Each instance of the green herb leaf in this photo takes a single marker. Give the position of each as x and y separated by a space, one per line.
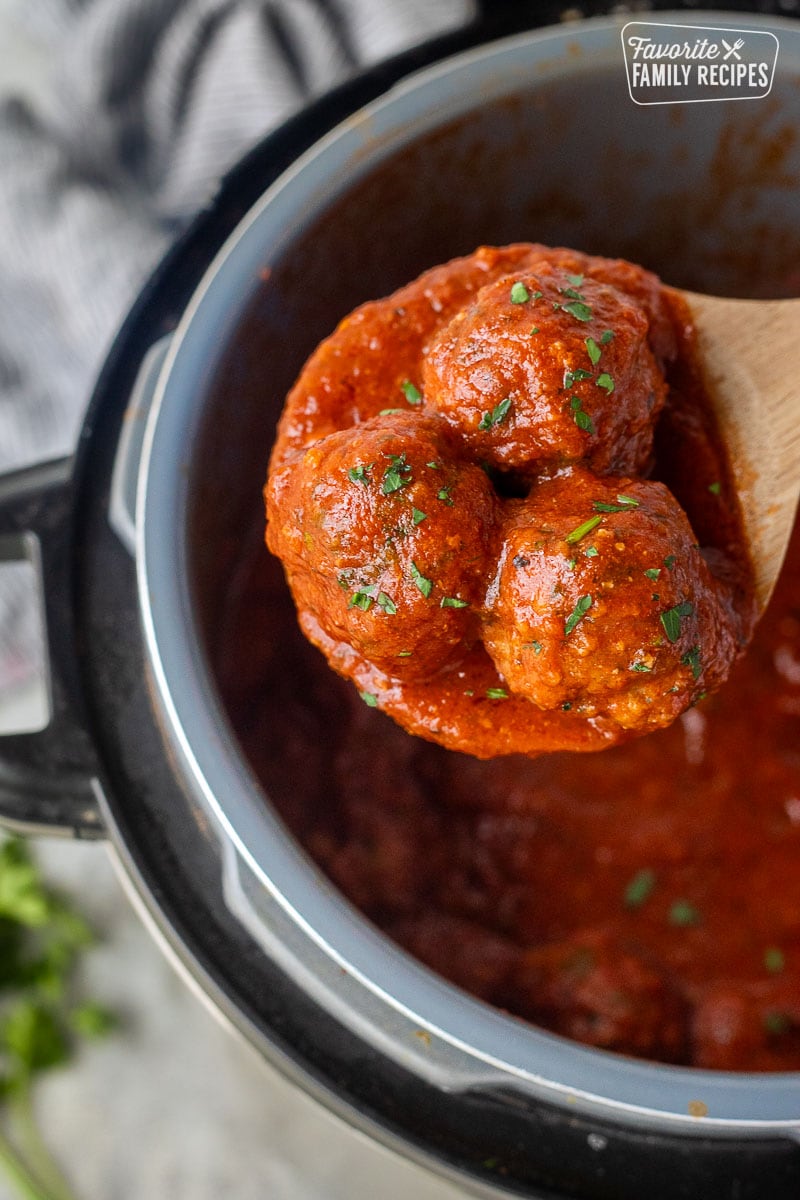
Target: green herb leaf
606 337
453 602
359 474
669 561
579 310
434 466
682 913
624 504
605 382
496 416
417 516
653 572
640 888
580 531
534 329
576 375
774 960
578 613
715 488
536 647
519 293
412 394
33 1036
777 1023
575 280
387 412
386 603
424 585
93 1020
581 418
398 474
361 600
671 619
641 667
692 659
591 552
444 494
593 350
496 694
369 698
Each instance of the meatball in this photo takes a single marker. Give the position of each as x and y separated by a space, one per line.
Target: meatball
603 604
384 537
548 367
600 992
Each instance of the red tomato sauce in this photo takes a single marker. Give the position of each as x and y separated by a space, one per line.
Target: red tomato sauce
645 899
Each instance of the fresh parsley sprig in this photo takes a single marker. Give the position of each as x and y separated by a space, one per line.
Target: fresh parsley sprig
41 939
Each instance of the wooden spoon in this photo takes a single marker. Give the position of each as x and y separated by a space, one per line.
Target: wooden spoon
750 354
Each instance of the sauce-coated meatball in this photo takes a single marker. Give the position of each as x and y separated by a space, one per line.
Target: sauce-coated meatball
548 367
384 537
603 604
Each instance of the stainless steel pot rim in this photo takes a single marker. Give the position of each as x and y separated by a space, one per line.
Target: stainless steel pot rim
470 1044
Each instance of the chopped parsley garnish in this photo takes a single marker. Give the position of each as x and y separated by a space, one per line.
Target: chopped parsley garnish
591 552
580 531
579 310
404 653
386 603
361 600
692 659
387 412
536 295
581 418
496 694
641 667
653 572
671 619
536 647
683 913
398 474
359 474
606 337
575 376
412 394
593 350
669 561
424 585
519 293
496 416
578 613
453 602
369 698
774 960
640 888
444 494
418 516
624 503
605 382
534 329
777 1022
715 488
434 466
575 280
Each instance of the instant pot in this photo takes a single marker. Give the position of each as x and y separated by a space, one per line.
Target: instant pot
501 132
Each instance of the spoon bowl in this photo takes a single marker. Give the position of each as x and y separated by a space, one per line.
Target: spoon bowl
749 351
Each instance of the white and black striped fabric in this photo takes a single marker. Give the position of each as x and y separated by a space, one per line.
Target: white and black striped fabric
116 118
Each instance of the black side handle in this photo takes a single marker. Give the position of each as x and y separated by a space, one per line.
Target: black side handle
48 778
